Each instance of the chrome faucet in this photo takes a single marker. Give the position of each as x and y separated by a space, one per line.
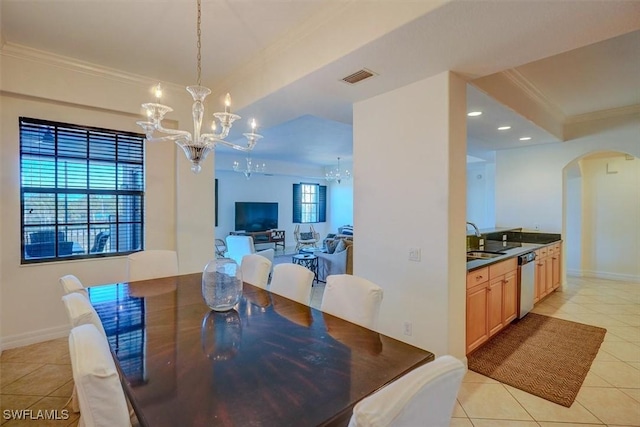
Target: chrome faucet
475 228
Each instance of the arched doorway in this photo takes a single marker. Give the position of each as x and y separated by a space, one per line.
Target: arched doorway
601 221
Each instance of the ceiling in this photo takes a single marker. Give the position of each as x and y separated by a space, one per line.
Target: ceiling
577 58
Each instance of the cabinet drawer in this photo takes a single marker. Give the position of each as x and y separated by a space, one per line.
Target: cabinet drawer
543 252
503 267
556 248
476 277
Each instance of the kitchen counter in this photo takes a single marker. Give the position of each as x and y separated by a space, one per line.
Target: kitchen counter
510 250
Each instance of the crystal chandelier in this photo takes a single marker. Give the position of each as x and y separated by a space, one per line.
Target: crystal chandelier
196 146
250 167
337 174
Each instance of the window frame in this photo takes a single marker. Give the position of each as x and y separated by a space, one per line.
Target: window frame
129 142
319 202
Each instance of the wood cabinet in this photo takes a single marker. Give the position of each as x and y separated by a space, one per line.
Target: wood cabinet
492 301
547 272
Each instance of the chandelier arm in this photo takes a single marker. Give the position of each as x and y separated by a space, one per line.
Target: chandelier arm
174 132
172 138
234 146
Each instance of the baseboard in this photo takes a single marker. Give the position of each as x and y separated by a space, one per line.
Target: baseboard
604 275
34 337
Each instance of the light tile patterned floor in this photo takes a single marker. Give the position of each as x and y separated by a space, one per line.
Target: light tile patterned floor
610 395
39 376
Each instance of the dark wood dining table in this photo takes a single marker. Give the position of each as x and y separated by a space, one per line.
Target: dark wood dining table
268 362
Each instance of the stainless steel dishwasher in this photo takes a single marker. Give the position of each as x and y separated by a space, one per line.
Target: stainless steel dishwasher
526 284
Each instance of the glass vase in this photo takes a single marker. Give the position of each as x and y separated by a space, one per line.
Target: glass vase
221 284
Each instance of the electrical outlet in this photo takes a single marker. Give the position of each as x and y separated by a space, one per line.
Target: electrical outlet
408 328
414 254
536 227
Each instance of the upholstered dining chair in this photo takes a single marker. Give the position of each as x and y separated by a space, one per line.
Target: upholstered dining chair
100 394
292 281
71 283
255 270
423 397
352 298
151 264
81 312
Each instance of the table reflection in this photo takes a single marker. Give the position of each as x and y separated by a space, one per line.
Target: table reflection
221 334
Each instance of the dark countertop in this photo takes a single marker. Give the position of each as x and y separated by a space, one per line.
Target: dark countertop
483 231
510 250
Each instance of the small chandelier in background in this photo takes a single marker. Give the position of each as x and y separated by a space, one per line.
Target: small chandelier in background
250 167
196 146
337 174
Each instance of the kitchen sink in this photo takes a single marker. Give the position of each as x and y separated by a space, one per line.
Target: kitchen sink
471 255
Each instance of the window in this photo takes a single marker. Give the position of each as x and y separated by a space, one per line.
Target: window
309 203
81 191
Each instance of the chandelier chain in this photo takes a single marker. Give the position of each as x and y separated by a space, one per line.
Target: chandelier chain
199 43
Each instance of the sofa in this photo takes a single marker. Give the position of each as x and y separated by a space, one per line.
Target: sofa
338 262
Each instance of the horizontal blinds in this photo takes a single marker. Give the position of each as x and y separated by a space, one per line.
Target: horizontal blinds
82 185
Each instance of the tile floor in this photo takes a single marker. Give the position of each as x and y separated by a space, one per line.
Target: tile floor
610 395
39 376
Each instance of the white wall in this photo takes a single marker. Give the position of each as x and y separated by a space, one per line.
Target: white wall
52 88
611 217
529 181
414 197
573 229
481 186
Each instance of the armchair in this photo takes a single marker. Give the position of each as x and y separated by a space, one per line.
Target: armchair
239 246
335 263
310 238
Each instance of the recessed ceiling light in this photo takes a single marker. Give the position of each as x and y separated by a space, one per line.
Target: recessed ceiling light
525 138
504 127
474 113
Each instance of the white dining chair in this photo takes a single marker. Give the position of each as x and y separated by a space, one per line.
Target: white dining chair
71 283
100 394
292 281
423 397
255 270
352 298
81 312
151 264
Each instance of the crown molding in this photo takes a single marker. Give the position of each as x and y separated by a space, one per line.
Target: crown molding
533 93
25 53
604 114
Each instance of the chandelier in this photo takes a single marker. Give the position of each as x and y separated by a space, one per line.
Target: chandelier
198 145
250 167
337 174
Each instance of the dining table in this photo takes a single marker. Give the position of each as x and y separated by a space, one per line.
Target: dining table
269 361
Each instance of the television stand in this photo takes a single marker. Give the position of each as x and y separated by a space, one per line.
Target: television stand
277 237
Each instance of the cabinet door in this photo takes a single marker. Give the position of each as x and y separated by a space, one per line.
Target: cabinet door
509 298
495 305
539 279
477 326
548 283
555 267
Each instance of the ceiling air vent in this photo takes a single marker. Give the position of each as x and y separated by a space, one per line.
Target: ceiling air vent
358 76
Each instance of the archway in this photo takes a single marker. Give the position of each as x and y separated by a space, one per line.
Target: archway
601 215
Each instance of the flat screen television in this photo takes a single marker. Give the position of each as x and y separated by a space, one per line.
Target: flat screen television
256 216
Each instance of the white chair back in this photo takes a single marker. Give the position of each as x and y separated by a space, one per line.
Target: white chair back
292 281
100 394
255 270
152 264
352 298
81 312
71 283
423 397
239 246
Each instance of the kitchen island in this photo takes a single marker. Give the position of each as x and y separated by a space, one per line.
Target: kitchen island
494 284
